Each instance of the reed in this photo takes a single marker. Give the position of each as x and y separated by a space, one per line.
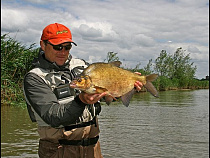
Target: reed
15 63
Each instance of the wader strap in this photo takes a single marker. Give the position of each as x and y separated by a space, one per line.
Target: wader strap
83 142
84 124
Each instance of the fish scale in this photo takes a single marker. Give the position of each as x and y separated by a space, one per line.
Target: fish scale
116 81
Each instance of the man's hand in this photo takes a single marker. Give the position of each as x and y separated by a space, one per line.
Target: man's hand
90 98
138 85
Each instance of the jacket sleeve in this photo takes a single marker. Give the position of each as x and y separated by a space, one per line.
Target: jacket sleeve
46 105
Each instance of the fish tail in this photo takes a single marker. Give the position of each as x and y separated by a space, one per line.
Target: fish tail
149 86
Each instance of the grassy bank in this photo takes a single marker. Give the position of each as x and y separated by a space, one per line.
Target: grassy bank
163 83
16 62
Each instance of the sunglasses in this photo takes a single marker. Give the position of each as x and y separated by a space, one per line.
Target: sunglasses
60 46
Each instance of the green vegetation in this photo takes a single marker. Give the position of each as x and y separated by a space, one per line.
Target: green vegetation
111 56
15 62
175 71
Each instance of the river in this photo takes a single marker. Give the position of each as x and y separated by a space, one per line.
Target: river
175 125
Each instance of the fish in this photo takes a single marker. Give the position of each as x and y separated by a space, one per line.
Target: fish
115 81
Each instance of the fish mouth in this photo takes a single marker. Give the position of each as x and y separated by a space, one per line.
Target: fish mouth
73 85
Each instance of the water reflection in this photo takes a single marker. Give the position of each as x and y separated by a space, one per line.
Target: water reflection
174 125
166 98
18 134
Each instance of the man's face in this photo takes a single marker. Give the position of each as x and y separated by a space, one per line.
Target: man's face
57 56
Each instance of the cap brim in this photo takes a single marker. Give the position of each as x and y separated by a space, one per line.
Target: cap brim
61 40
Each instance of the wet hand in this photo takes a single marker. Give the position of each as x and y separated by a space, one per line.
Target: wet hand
90 98
138 85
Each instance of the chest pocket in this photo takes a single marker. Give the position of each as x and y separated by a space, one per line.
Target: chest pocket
63 90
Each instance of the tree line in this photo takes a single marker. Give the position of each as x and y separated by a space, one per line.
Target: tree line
176 71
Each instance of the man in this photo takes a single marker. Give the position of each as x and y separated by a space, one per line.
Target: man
67 119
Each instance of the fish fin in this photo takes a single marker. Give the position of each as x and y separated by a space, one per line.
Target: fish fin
149 86
116 63
127 97
108 99
151 77
99 89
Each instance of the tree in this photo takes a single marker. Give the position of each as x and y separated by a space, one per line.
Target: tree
177 65
182 65
163 64
148 68
111 56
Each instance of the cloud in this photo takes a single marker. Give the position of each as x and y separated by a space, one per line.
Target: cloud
143 40
13 20
136 30
41 1
99 31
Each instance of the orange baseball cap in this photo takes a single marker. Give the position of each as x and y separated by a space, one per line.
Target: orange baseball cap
57 34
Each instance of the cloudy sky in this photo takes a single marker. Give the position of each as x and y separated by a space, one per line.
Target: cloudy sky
135 29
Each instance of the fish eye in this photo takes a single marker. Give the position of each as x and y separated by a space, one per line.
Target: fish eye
79 80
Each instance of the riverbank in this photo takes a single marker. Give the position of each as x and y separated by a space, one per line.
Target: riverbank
22 102
16 62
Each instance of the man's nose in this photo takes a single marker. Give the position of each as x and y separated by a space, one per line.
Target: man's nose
63 51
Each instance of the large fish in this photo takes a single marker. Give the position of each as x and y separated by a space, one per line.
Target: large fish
110 78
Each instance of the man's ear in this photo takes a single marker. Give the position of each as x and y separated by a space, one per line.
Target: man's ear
43 45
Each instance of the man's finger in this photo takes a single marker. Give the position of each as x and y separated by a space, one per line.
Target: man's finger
97 96
139 73
138 85
101 95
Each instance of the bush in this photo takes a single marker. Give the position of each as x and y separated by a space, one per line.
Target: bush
15 63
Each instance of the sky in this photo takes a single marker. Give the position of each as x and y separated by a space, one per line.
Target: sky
137 30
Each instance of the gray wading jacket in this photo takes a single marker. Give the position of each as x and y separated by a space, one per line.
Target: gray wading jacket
42 101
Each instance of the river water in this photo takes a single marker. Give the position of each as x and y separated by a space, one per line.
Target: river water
175 125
